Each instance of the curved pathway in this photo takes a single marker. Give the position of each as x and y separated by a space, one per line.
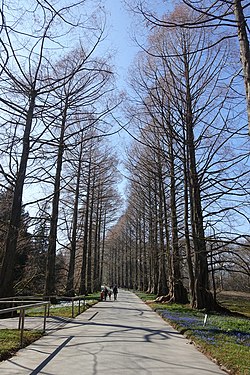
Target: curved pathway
123 337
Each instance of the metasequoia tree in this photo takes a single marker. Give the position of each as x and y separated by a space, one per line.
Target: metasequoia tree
167 144
58 93
96 197
225 19
24 243
185 87
76 158
160 136
35 267
86 82
220 14
162 166
108 201
23 87
147 218
179 87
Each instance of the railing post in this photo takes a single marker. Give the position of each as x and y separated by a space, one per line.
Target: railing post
19 320
72 313
48 311
22 310
12 305
22 313
45 316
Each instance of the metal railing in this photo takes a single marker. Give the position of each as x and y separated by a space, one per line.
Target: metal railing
34 299
22 309
73 299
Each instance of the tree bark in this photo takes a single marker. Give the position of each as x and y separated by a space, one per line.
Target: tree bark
8 264
83 288
244 51
90 241
202 296
50 287
179 293
186 226
70 290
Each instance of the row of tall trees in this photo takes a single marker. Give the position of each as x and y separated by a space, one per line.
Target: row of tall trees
56 105
189 190
223 19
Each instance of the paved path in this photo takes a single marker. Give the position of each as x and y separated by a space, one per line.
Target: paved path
123 337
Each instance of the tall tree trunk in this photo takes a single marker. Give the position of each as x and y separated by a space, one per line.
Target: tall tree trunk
169 268
96 260
8 263
70 290
140 280
136 283
145 258
131 269
244 50
127 284
186 226
123 263
103 247
202 296
162 282
83 288
90 242
179 293
155 242
50 287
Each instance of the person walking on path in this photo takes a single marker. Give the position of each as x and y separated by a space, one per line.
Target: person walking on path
115 292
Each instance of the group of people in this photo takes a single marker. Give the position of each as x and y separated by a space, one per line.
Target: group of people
107 292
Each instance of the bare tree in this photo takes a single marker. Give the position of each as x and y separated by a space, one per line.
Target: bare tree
87 80
179 70
26 85
225 19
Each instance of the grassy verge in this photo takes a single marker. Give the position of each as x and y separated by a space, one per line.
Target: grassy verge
224 338
10 341
235 301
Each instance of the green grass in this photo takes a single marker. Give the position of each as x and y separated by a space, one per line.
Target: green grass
64 312
10 341
224 338
94 296
146 296
235 301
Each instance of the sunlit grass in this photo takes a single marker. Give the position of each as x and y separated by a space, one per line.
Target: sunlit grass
146 296
238 302
10 341
93 296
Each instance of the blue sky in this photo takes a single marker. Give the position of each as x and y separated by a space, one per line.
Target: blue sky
124 49
119 38
120 28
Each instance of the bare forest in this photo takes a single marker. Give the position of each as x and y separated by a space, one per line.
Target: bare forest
180 228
